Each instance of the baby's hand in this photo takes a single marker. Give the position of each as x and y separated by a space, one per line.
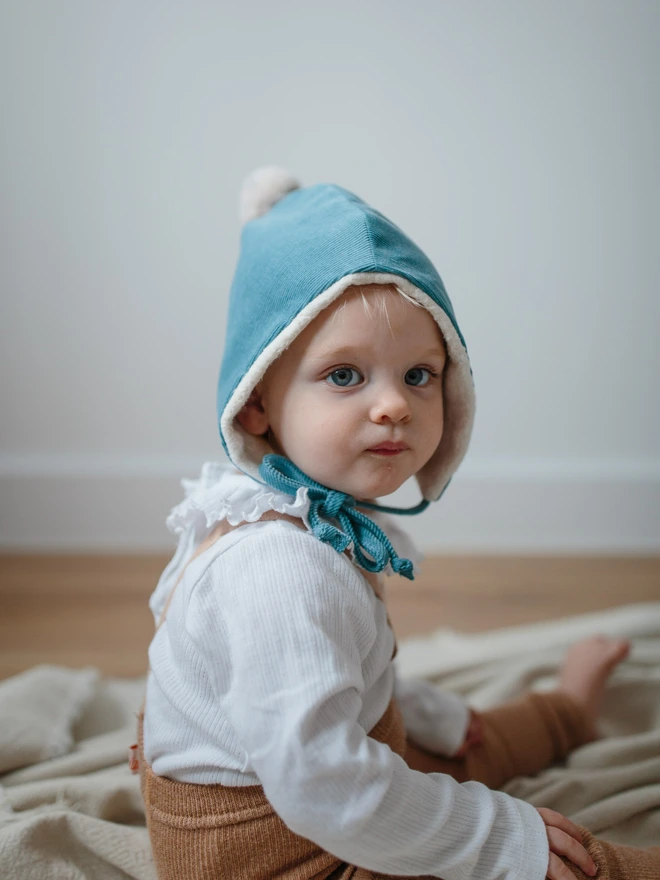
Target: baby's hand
473 737
564 838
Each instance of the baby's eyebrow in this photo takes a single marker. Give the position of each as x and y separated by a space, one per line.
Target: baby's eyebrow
434 352
348 350
324 354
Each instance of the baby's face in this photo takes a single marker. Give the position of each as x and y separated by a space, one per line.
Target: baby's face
352 381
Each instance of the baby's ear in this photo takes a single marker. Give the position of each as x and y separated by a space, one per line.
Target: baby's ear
252 417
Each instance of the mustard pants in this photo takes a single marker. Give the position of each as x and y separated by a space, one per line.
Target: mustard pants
208 832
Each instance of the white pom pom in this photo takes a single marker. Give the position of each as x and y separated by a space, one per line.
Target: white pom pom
262 189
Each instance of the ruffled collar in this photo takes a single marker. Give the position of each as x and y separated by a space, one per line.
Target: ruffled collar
223 492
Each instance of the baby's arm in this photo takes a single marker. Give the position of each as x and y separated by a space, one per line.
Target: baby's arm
437 720
298 623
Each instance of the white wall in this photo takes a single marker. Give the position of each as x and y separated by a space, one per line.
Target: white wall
516 142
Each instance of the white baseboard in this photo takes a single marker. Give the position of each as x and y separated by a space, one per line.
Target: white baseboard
89 504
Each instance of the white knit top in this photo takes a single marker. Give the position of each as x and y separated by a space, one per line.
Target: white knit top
272 665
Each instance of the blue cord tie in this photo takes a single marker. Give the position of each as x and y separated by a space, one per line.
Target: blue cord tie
283 475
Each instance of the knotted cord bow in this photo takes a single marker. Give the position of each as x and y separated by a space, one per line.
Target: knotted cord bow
283 475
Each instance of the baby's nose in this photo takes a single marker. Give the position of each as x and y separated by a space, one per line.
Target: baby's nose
390 405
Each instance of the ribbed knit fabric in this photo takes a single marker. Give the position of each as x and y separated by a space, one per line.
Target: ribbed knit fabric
272 610
615 861
207 832
215 830
524 737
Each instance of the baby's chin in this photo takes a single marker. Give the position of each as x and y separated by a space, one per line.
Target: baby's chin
364 481
367 490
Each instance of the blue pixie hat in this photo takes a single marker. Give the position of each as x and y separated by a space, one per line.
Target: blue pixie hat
300 249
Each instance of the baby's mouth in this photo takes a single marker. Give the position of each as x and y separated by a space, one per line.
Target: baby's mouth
388 449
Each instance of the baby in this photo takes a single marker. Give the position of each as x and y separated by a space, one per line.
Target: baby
276 738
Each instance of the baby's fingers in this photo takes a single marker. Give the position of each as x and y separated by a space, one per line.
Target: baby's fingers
557 870
565 845
558 820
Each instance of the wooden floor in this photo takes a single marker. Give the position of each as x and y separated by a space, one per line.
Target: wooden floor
92 610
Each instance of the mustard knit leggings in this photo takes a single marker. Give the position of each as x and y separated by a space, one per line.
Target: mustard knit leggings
212 832
522 738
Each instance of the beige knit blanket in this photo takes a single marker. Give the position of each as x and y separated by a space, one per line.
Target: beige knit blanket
70 809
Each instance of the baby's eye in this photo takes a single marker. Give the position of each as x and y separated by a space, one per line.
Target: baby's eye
418 376
344 377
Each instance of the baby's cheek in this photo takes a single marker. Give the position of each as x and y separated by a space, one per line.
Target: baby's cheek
333 460
327 427
432 433
315 441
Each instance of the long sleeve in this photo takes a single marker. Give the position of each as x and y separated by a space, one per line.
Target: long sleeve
435 719
298 625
